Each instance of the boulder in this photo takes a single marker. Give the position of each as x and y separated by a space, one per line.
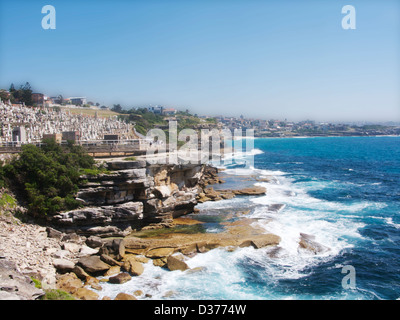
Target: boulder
260 241
120 278
71 247
277 207
85 294
174 263
80 273
161 262
112 262
114 270
251 191
115 248
69 283
94 283
133 267
53 233
87 251
308 243
93 264
159 252
94 242
124 296
63 265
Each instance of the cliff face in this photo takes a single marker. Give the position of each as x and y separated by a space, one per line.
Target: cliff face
133 195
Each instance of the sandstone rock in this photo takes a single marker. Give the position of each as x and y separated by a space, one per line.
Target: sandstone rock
141 259
133 267
80 273
124 296
61 254
174 263
87 251
53 233
159 252
72 237
120 278
251 191
161 262
85 294
134 194
114 270
94 242
94 283
112 262
69 283
138 293
93 264
162 191
71 247
63 265
307 242
260 241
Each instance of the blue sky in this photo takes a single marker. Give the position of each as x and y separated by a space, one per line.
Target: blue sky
269 59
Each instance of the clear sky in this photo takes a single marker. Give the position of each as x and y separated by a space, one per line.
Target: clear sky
269 59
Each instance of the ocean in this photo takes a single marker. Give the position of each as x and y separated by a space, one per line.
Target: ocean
344 192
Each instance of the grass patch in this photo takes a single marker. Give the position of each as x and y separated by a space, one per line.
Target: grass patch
93 171
7 201
130 159
52 294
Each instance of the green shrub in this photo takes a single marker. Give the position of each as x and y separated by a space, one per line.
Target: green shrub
54 294
47 177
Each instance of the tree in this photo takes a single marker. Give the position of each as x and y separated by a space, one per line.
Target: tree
23 94
27 94
117 108
4 95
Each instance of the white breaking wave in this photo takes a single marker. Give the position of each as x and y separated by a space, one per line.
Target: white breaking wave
389 221
223 274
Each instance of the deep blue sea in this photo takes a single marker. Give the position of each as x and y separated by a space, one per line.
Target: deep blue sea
342 191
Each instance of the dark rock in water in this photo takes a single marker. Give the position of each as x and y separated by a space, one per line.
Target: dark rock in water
251 191
124 296
174 263
276 207
307 242
120 278
274 252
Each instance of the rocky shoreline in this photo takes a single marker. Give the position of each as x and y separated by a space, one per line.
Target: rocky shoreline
77 262
70 261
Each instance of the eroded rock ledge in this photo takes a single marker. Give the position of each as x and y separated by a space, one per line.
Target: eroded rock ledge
131 196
